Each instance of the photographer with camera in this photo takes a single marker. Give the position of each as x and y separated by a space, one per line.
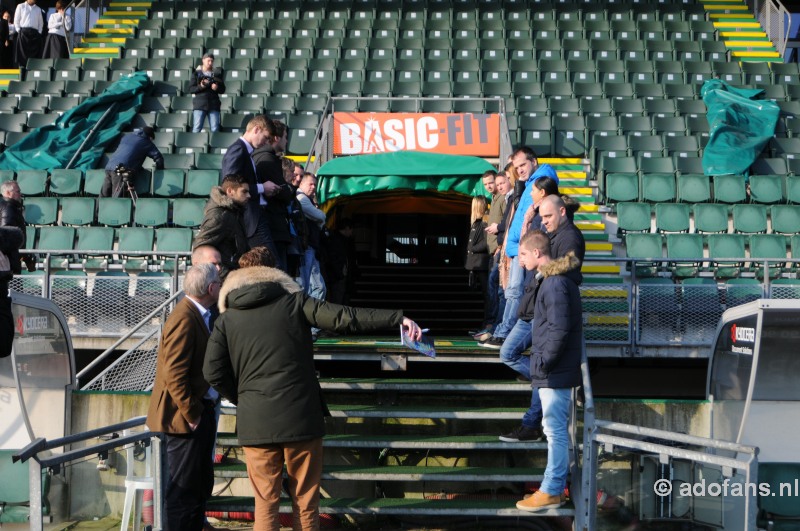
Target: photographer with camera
206 85
127 161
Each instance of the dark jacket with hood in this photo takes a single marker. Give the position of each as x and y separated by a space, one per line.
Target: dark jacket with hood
132 150
269 168
223 228
557 327
477 248
260 355
205 98
569 239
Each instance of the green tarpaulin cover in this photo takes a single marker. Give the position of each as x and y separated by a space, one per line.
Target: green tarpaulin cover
740 126
401 170
53 146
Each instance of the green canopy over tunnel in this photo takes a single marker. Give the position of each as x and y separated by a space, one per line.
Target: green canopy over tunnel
398 173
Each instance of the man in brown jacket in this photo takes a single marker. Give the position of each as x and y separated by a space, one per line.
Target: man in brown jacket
182 402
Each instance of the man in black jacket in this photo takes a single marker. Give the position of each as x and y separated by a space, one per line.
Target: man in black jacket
564 235
223 222
12 214
269 168
206 84
555 359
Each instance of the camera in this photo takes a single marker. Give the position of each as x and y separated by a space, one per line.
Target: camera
206 78
124 173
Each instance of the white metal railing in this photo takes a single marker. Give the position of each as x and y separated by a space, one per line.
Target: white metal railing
775 19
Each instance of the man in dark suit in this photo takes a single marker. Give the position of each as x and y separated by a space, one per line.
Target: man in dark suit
238 160
182 403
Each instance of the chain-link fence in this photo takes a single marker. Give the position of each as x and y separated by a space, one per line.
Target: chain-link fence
133 371
607 313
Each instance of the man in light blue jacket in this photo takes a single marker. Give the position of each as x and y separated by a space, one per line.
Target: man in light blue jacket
528 171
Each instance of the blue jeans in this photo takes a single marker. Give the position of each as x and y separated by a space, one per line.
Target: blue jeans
310 275
513 292
493 294
199 116
556 404
511 353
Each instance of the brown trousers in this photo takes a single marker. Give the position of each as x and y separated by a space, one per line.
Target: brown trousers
303 461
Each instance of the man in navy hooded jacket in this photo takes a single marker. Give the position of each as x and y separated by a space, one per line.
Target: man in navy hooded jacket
528 171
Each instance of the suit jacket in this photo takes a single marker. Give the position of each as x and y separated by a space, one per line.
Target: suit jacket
238 161
177 397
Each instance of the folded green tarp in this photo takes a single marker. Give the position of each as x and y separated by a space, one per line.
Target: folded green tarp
53 146
740 126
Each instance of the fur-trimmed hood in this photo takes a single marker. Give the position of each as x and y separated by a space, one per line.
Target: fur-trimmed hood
221 200
270 281
560 266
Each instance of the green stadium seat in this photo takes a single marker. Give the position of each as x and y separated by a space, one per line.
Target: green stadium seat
687 250
610 146
785 73
756 73
693 187
178 161
77 210
750 218
627 107
94 239
633 217
56 239
741 291
173 240
672 217
726 246
769 166
41 210
135 239
592 106
208 161
645 247
168 183
730 72
770 247
93 181
646 147
200 182
37 120
188 212
172 121
569 136
793 189
65 182
151 212
710 217
635 125
729 189
766 189
785 219
32 182
679 147
186 143
658 179
114 211
619 180
13 122
301 141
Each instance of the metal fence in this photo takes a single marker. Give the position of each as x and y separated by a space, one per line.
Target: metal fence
775 19
105 303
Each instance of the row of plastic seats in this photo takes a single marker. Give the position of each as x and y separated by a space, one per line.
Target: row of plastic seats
659 181
517 29
706 218
444 11
697 252
166 240
114 212
161 183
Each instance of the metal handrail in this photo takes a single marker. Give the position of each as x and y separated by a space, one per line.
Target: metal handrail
37 462
124 338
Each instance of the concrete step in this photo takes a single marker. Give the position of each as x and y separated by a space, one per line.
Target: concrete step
419 412
412 442
404 473
423 386
397 506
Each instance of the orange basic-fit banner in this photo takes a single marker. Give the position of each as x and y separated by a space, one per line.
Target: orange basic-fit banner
357 133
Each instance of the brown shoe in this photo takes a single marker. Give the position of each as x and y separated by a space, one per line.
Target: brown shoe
540 501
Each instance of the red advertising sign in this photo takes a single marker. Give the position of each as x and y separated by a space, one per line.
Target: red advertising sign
454 134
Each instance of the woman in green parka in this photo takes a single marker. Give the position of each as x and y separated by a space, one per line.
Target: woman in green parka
260 357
